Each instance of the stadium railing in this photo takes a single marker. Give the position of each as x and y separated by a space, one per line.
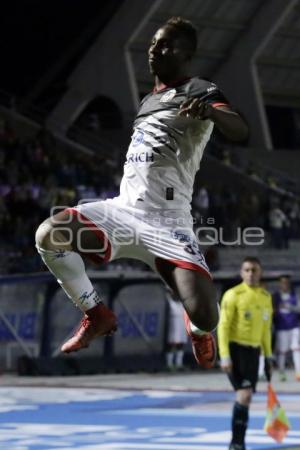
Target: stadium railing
36 317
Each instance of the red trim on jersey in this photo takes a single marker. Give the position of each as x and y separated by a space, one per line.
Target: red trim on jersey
99 233
173 84
215 105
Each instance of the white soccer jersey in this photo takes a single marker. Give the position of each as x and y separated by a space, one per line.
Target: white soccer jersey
166 150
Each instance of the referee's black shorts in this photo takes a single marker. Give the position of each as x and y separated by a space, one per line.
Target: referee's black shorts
245 362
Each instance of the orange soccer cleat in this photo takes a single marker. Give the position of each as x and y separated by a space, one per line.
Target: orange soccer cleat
97 321
204 346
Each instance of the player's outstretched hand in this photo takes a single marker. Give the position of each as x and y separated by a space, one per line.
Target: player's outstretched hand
196 109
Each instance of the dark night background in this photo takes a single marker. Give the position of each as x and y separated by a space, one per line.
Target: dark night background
35 34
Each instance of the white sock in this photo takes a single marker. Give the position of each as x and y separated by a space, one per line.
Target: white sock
179 358
296 360
281 362
170 359
196 330
69 270
261 367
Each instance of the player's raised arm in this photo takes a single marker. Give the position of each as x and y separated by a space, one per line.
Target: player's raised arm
228 122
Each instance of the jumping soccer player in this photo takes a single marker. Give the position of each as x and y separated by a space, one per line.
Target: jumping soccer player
244 330
150 220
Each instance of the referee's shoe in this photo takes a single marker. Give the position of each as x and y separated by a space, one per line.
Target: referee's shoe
204 346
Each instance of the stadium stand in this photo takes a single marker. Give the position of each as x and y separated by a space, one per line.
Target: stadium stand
37 175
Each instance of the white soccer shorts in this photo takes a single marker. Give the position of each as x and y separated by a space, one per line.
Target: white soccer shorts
128 232
287 340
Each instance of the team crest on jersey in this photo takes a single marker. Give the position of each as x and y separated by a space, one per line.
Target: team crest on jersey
168 96
138 138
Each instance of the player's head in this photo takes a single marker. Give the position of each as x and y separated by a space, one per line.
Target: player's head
172 47
251 271
285 283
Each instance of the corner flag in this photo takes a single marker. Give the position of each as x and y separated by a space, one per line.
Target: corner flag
276 423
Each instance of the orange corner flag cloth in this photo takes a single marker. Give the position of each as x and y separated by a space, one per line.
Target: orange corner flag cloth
276 423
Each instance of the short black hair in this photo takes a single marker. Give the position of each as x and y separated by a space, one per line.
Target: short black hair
285 275
252 259
186 29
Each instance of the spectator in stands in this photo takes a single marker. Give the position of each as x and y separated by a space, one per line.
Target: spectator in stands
287 325
278 227
201 205
293 214
176 337
243 331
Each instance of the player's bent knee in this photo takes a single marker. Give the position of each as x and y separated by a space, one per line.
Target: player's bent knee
206 315
42 235
206 322
48 237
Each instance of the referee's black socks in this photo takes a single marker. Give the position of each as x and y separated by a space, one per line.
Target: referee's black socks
240 415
